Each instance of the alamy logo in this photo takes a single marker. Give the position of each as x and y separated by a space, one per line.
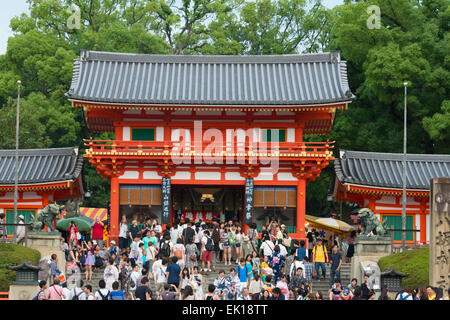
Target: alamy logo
374 21
74 20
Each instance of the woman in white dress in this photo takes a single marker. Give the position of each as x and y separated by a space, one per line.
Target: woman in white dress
196 282
110 274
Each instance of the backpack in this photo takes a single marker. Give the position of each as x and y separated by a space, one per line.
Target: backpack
209 246
102 296
165 249
37 296
75 295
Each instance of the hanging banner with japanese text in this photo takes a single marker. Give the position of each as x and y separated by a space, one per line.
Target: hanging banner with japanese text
165 188
248 201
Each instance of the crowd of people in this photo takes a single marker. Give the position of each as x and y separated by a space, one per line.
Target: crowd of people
149 263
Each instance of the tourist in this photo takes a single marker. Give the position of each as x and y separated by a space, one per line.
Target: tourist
310 238
102 293
246 248
170 292
215 236
351 246
233 284
256 263
226 246
405 294
185 279
207 249
238 243
253 237
133 231
336 262
179 251
142 291
188 293
249 266
176 232
221 284
20 231
149 255
289 263
357 294
161 275
55 292
73 234
335 290
277 295
123 233
165 246
420 294
320 256
77 293
255 287
265 295
268 285
365 288
298 281
173 272
431 293
277 262
282 284
54 271
113 252
88 292
264 232
198 229
267 247
97 231
318 295
283 250
134 248
42 288
265 268
241 271
2 226
188 233
116 294
110 274
211 293
307 272
191 256
89 249
197 278
99 257
244 295
125 271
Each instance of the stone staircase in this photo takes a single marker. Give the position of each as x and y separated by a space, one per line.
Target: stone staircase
323 285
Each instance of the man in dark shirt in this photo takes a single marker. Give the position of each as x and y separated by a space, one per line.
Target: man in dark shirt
366 291
336 262
146 227
188 234
142 291
277 295
173 272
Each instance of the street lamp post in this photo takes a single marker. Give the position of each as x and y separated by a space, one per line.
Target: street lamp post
16 162
405 84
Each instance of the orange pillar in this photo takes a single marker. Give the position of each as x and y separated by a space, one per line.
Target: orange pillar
423 222
301 208
114 231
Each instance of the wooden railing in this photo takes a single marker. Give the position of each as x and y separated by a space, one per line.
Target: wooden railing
127 148
8 237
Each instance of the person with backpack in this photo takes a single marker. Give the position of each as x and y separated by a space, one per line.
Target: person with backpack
41 294
211 293
102 293
77 293
320 256
165 247
207 249
116 294
55 292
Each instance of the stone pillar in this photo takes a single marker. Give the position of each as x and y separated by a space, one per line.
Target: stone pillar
440 233
368 250
48 244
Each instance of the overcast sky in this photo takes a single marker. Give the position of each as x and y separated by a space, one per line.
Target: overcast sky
14 8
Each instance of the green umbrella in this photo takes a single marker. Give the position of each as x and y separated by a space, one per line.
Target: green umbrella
83 223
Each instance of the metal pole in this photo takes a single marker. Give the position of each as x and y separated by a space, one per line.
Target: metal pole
405 84
16 162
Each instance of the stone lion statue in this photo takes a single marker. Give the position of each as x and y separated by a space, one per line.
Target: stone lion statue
370 223
45 218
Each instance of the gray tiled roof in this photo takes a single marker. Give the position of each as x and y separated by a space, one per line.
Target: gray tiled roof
385 169
305 79
41 165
